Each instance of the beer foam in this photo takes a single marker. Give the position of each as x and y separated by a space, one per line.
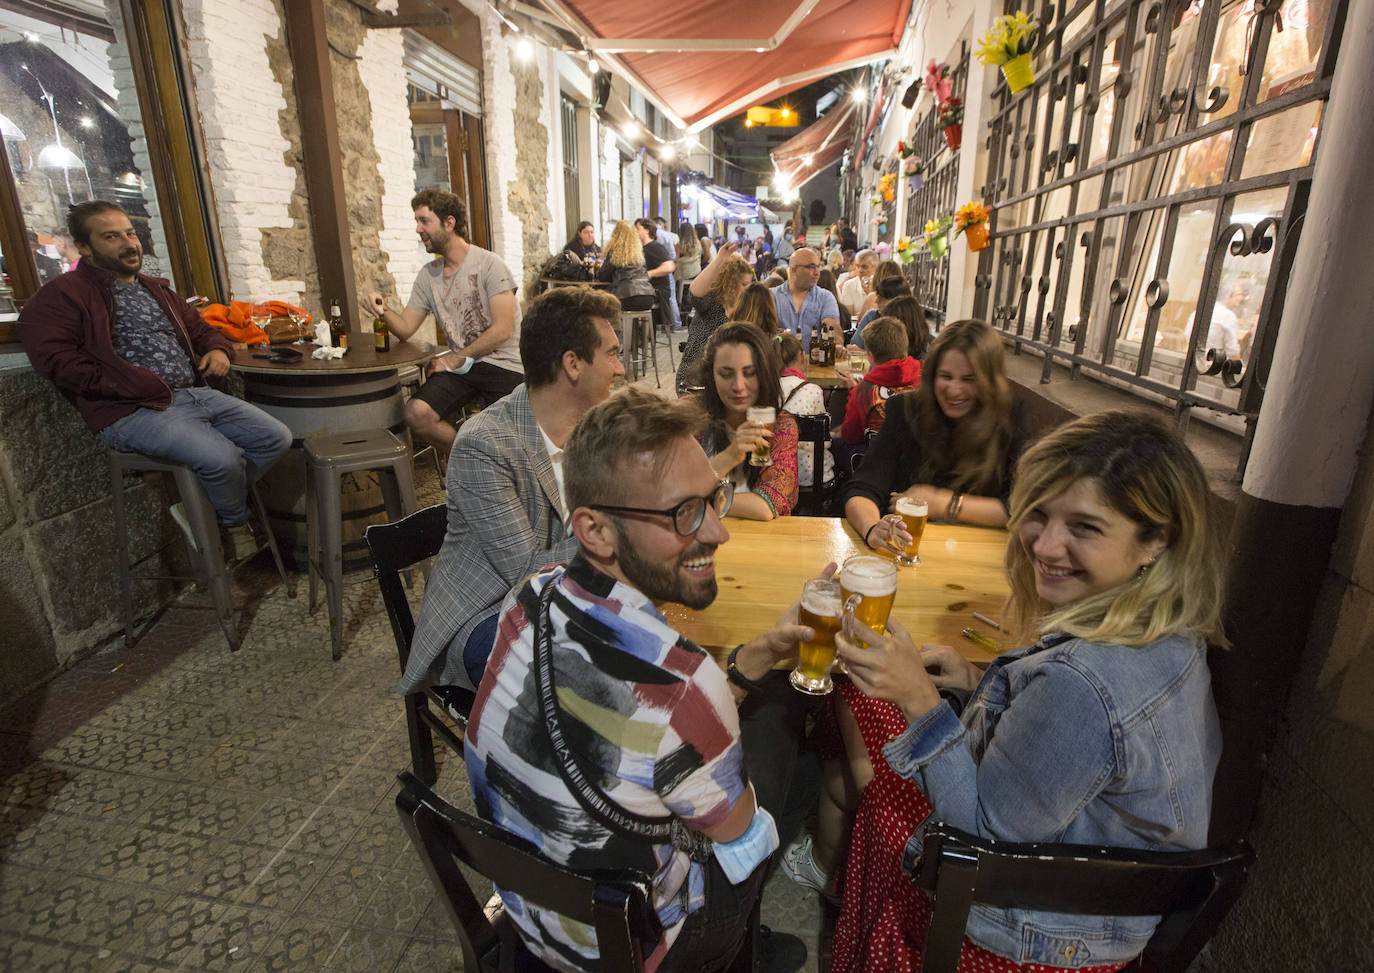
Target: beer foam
910 507
870 577
821 603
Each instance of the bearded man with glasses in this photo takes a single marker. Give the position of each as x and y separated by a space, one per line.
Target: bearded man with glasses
678 771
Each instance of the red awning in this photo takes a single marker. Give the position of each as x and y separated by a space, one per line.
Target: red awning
700 61
815 147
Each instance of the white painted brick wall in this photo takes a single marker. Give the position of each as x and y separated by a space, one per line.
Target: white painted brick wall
239 100
498 122
383 74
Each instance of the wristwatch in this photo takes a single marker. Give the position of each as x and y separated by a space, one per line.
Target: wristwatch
735 676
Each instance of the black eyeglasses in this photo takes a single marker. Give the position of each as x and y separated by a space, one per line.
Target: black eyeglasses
688 515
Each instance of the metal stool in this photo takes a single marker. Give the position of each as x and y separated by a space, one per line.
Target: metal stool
329 457
637 333
203 547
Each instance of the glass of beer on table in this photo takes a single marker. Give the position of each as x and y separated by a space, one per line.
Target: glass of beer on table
913 514
868 584
821 605
761 415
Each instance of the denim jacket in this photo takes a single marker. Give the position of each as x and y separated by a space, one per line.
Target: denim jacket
1069 741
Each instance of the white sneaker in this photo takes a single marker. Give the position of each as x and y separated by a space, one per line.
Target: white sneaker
239 543
800 866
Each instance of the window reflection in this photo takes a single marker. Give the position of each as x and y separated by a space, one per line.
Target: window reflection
65 141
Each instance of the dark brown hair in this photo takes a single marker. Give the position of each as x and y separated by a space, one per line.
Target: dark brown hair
908 310
444 205
765 366
560 320
81 212
632 428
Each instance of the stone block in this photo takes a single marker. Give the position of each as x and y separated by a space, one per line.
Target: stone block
76 559
57 465
30 652
7 515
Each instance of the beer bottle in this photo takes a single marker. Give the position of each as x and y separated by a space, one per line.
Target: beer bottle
338 331
381 335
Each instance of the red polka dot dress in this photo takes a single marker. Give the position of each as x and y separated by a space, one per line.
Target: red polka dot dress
884 918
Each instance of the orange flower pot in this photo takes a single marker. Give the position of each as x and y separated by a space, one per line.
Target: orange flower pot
977 236
954 136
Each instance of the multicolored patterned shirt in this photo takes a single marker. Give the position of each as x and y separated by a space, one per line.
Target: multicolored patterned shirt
649 710
145 336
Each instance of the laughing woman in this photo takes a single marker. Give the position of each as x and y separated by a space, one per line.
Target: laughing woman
1100 731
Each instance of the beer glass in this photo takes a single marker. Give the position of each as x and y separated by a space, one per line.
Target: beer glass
820 608
762 415
868 585
913 514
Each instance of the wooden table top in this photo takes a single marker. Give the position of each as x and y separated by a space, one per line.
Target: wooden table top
829 376
361 357
761 569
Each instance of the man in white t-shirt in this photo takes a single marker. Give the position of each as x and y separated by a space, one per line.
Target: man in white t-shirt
472 296
1224 330
855 288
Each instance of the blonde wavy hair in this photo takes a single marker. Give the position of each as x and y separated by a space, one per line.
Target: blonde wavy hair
623 249
731 278
1141 469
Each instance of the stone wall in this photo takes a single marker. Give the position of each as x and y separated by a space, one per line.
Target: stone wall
1310 903
57 552
528 190
244 90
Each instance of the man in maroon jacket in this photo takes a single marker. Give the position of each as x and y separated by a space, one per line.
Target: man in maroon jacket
131 355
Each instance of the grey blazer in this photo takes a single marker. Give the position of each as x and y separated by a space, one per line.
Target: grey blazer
505 522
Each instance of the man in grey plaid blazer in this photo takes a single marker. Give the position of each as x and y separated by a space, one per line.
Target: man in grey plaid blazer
506 515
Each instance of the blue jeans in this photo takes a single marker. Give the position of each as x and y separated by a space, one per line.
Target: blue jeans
228 443
478 648
673 315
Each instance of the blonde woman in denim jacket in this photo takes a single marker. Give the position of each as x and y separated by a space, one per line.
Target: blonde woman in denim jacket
1101 731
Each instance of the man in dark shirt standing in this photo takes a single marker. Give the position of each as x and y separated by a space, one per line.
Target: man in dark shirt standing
131 355
660 264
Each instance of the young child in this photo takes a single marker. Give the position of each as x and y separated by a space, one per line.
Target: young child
801 398
893 371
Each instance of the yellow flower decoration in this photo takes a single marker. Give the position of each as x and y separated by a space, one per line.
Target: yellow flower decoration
1009 36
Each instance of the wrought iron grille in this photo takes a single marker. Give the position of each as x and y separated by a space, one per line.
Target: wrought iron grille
930 277
1150 186
572 191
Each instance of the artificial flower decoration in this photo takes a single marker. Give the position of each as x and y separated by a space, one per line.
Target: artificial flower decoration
913 166
1008 37
937 81
906 151
970 214
906 253
937 227
951 113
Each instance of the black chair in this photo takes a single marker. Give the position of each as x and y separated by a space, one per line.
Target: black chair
1192 890
617 904
813 500
396 547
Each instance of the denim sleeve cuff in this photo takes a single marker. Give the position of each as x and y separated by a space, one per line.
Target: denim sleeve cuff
740 857
923 741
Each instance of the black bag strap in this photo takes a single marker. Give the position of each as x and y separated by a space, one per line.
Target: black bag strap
799 387
668 829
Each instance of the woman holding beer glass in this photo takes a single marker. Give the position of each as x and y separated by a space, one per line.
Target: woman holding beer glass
951 443
1100 731
750 440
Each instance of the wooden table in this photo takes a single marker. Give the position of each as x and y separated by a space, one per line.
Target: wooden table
760 572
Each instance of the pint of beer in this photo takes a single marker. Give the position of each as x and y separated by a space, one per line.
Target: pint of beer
913 514
868 585
821 607
762 415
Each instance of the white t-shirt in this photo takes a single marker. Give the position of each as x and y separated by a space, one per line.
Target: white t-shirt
853 294
461 303
1223 332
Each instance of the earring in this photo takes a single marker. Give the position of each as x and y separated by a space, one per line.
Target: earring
1144 569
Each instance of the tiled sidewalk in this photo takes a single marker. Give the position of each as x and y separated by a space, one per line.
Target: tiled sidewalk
176 806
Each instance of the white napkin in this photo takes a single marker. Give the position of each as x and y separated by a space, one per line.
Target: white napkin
328 352
322 335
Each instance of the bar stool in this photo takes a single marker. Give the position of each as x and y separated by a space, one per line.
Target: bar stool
327 459
203 546
637 331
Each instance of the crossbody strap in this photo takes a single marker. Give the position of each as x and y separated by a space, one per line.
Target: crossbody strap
668 829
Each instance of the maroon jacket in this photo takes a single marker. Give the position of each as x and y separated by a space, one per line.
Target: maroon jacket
67 328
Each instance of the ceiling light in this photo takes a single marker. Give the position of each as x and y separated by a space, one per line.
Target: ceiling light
760 50
786 113
58 157
860 95
524 50
807 158
748 123
594 64
87 121
667 152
